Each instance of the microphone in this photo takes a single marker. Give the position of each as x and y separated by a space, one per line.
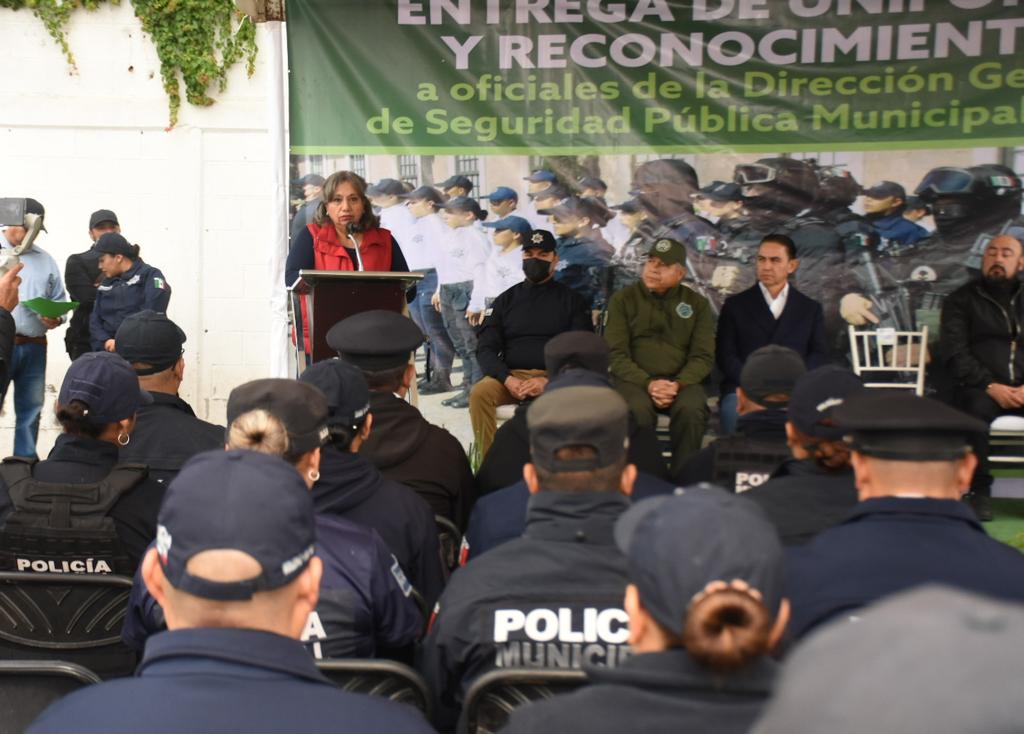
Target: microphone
352 228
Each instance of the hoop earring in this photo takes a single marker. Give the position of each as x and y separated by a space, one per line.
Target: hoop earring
314 475
123 439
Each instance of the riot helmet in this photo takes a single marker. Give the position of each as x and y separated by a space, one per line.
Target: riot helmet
665 186
783 185
968 201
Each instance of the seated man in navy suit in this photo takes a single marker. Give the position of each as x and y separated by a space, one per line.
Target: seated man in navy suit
770 312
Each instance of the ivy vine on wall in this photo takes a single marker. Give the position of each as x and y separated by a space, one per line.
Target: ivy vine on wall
197 41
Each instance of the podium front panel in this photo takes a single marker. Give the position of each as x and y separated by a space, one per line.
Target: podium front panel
327 303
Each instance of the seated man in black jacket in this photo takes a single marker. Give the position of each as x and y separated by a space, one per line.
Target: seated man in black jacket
167 432
510 344
404 447
983 344
745 459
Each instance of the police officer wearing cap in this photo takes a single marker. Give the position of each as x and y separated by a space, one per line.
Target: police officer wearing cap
403 445
884 204
814 489
311 185
366 607
746 458
583 252
510 344
505 608
456 186
385 195
81 276
237 588
129 286
538 181
628 262
504 267
573 359
502 202
167 432
348 486
701 630
114 504
423 256
662 337
912 461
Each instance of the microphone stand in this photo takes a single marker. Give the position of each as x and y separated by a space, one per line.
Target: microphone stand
359 258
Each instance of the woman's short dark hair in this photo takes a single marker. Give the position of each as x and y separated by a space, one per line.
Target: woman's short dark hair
784 240
369 220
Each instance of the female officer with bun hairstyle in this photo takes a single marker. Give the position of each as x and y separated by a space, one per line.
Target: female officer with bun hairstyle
129 286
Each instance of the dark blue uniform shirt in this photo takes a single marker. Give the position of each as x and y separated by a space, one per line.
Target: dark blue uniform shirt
139 288
364 606
890 544
224 680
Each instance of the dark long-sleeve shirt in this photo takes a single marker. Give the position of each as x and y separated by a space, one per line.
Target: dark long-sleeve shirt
522 320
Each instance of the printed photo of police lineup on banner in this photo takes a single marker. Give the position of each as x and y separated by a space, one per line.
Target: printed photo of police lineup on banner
881 237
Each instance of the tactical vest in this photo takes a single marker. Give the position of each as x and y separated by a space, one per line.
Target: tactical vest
741 463
64 528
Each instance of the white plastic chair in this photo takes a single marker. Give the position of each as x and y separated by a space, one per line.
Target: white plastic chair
900 355
1006 440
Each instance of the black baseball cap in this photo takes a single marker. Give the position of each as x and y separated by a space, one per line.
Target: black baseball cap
884 189
630 206
572 349
348 397
32 206
771 370
588 207
100 216
375 340
301 409
916 202
898 425
113 243
151 338
310 179
386 187
428 193
815 397
578 416
461 181
591 182
107 385
555 190
721 191
540 239
675 545
236 500
669 251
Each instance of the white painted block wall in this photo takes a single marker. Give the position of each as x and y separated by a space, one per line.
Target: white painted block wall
197 199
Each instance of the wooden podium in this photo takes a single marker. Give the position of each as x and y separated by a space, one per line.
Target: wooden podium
322 298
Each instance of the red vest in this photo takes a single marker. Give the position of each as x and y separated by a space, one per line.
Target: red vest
330 254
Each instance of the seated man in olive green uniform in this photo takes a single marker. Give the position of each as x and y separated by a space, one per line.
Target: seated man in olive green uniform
662 339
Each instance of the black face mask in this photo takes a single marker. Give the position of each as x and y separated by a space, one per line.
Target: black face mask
535 269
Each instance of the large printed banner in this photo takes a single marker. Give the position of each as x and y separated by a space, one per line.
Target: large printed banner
600 76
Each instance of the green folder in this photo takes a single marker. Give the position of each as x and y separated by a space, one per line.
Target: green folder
49 309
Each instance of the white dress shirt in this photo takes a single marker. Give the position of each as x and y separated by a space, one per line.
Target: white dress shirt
777 304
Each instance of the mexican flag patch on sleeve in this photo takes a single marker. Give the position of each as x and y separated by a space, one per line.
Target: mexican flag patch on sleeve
159 283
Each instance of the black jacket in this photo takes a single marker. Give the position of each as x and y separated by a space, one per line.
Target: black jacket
80 460
890 544
746 458
746 324
7 332
568 560
167 434
981 337
654 693
350 487
503 464
522 320
802 499
81 276
409 450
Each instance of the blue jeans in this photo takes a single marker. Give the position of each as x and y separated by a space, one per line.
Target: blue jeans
727 417
28 373
454 302
431 323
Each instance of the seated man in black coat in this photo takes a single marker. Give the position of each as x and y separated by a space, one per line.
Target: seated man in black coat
912 460
167 432
745 459
983 344
813 490
404 446
772 311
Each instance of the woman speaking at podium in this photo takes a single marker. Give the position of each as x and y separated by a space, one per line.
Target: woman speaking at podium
345 234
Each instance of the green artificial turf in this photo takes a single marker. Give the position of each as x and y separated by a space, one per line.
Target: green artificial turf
1008 522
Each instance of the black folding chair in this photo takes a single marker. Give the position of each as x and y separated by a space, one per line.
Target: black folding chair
494 695
451 542
74 618
385 678
29 686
